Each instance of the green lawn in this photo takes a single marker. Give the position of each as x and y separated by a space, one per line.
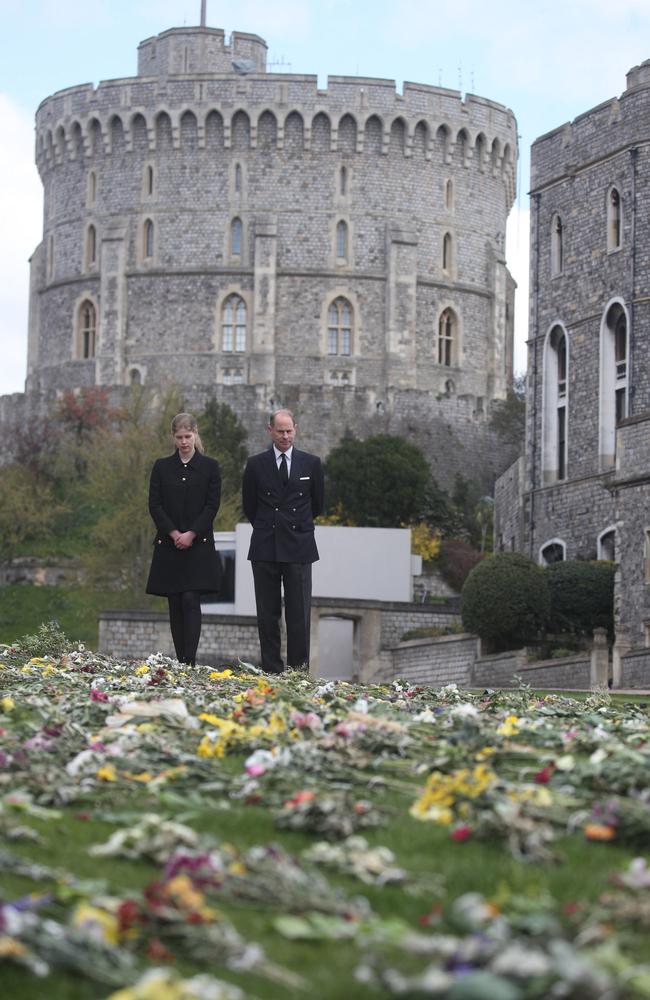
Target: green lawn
23 607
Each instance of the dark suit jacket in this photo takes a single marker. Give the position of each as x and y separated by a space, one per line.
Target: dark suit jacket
283 516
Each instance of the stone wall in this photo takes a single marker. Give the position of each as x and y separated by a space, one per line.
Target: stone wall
137 634
501 669
635 672
437 662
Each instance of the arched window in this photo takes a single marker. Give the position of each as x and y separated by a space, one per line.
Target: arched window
613 380
339 327
447 252
555 424
238 174
614 220
606 549
92 188
343 181
148 239
552 552
557 249
148 180
235 238
447 336
91 247
135 376
233 324
86 329
341 241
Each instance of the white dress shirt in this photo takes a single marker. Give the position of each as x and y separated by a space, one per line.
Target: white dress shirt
278 456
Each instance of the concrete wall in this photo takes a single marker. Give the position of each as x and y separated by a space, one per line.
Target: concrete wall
498 671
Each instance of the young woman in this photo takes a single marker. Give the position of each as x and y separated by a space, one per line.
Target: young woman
184 494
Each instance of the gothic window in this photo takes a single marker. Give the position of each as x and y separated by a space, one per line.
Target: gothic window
135 377
555 423
607 545
557 249
235 237
86 329
92 188
341 241
238 173
148 233
447 336
614 220
552 552
343 181
447 252
646 556
90 255
613 380
339 327
233 324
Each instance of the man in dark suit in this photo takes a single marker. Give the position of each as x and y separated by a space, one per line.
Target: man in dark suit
282 493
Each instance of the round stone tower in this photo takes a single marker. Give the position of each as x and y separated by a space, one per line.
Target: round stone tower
242 233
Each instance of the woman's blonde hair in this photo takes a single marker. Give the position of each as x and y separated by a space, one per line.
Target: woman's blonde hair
186 422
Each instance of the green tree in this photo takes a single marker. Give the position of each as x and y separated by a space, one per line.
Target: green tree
224 438
508 416
505 600
27 508
380 482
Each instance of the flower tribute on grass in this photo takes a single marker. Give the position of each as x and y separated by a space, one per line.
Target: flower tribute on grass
166 830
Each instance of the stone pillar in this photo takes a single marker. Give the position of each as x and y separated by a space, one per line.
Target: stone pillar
109 364
599 659
622 645
401 259
262 360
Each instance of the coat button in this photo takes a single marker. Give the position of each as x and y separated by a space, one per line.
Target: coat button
160 541
294 510
184 478
277 508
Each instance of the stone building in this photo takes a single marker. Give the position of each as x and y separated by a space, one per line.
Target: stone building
581 490
244 233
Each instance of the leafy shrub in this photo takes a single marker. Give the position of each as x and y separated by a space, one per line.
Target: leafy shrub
582 596
456 560
505 600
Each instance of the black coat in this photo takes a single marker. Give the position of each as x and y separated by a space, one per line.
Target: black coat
184 497
283 516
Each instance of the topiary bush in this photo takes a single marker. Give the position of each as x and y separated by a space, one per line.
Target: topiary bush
505 601
456 560
582 596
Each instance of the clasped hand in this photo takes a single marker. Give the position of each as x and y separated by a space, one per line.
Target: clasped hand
182 539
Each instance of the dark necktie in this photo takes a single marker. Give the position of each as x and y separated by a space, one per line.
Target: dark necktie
284 472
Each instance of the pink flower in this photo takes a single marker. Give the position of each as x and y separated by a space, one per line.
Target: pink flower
544 776
461 833
96 695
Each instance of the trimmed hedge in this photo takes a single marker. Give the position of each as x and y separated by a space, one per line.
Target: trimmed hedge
582 596
506 601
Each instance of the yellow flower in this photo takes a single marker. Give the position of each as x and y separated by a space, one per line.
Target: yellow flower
484 753
144 776
97 923
218 675
146 727
144 669
48 671
107 773
10 948
510 727
237 868
8 704
443 790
